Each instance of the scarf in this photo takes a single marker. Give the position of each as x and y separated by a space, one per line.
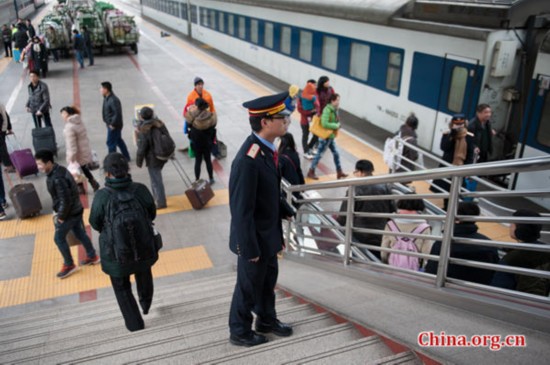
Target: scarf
36 47
461 147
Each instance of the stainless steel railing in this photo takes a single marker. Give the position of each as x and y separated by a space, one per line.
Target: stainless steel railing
315 230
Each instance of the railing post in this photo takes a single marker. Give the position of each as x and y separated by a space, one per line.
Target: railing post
349 224
445 251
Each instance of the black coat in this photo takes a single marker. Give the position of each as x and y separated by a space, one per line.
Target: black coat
447 145
20 39
254 202
475 127
289 165
40 58
112 111
64 192
467 252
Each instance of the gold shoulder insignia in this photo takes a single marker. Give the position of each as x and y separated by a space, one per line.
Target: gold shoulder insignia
253 151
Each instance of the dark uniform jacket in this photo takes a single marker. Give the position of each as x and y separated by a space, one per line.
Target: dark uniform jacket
64 192
112 111
145 150
254 201
97 221
466 252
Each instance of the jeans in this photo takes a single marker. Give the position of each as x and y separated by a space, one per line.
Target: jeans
76 225
38 120
80 58
126 301
155 174
90 55
323 144
114 140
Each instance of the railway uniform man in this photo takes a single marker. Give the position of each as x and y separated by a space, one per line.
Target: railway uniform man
256 234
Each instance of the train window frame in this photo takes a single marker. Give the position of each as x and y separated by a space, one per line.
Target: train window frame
183 12
305 52
363 63
255 31
242 27
393 73
329 54
204 18
212 15
231 24
457 92
221 22
269 32
544 123
286 39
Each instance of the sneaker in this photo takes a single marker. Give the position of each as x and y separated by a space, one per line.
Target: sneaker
3 216
308 156
90 261
5 205
66 270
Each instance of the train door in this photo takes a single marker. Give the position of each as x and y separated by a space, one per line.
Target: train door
459 92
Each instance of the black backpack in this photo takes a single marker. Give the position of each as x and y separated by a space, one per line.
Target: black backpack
128 228
163 144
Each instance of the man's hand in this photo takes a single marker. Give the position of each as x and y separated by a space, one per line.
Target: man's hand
28 110
255 259
38 113
111 127
493 132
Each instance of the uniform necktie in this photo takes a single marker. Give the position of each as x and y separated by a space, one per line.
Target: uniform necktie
276 158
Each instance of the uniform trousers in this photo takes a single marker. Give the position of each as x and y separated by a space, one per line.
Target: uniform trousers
126 301
254 291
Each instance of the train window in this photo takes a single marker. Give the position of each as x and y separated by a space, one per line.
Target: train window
254 31
359 61
394 71
268 35
457 90
194 14
285 39
231 24
306 42
213 19
221 22
543 134
204 17
242 28
330 52
183 11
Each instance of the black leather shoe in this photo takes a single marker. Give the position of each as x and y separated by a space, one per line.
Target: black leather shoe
247 341
277 328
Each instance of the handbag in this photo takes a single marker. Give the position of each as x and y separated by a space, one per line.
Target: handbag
317 128
157 239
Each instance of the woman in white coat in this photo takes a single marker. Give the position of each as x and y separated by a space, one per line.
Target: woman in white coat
77 143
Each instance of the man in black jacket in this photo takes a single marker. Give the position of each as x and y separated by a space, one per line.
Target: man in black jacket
483 132
112 116
67 212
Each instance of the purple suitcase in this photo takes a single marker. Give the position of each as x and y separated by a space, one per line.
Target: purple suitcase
24 163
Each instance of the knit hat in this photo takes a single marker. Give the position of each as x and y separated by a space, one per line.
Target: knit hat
197 80
116 165
293 90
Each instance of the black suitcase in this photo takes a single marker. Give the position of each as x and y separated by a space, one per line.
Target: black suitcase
25 200
44 139
199 192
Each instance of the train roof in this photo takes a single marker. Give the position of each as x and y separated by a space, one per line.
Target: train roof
465 18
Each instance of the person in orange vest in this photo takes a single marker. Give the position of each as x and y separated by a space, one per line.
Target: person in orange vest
199 92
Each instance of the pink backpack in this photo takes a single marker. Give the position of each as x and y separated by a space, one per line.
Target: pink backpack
405 244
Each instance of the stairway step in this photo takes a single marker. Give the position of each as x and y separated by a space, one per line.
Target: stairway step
403 358
186 339
356 352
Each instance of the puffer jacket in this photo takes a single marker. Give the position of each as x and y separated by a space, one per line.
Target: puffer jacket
64 192
330 119
201 120
145 150
76 141
39 98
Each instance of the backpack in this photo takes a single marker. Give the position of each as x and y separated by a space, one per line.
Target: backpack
405 244
163 144
393 150
128 229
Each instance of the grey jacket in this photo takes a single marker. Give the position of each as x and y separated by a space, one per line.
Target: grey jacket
112 111
39 98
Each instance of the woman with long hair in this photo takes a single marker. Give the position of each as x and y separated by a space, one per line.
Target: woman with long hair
323 94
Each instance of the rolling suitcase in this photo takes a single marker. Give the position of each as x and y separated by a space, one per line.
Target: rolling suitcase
25 200
199 192
22 159
44 139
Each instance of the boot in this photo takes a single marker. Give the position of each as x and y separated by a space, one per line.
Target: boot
311 175
95 185
340 174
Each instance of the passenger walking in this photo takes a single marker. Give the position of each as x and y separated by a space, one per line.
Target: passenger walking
20 40
306 108
466 252
5 129
408 133
323 95
112 116
78 149
38 56
256 234
39 100
365 168
528 233
88 45
123 211
6 38
68 212
330 121
202 130
148 126
79 47
480 127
